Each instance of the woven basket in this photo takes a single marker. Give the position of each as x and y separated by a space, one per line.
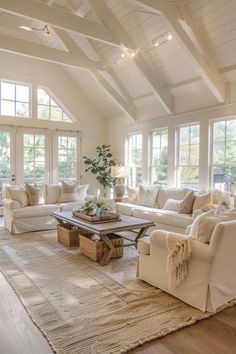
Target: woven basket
94 248
69 236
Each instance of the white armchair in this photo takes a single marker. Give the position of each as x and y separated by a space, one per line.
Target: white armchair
211 280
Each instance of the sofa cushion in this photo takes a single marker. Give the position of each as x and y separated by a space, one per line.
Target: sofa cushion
19 194
172 193
52 193
132 194
202 201
70 205
125 208
34 194
167 217
34 211
147 195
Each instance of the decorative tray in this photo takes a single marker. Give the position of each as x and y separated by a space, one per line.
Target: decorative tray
108 217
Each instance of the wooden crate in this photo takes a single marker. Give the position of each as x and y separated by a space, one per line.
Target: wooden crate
94 248
69 236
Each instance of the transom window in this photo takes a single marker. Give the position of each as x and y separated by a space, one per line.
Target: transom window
159 156
48 109
133 157
15 99
224 154
34 158
67 158
188 156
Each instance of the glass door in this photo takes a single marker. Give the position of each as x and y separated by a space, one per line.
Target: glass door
7 158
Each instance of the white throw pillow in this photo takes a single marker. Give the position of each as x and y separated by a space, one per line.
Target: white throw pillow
132 194
73 192
170 193
172 204
195 224
53 193
147 195
19 194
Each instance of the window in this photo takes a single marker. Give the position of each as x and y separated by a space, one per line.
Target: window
48 109
159 156
15 100
34 158
188 156
224 154
134 158
67 158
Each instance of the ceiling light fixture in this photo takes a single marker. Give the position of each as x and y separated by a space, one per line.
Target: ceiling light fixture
44 29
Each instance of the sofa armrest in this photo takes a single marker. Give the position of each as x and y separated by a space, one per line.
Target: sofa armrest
200 250
10 204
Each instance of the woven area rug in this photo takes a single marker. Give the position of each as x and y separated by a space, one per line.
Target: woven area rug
82 307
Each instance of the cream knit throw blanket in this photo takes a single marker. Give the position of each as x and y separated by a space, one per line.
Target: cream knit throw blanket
179 252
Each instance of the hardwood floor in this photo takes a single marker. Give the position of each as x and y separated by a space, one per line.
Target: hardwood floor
18 334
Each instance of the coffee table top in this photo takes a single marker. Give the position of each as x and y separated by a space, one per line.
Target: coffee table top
126 223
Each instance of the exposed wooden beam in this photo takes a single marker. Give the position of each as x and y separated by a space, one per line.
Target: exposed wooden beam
58 18
127 107
163 95
38 51
199 58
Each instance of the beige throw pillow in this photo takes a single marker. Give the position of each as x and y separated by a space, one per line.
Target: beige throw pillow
19 194
68 193
34 194
147 195
172 204
202 200
52 193
186 205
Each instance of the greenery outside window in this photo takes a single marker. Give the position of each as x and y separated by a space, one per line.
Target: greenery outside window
48 109
188 156
15 99
159 156
224 154
34 158
133 159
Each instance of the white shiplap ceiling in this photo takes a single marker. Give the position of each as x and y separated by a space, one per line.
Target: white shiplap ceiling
121 86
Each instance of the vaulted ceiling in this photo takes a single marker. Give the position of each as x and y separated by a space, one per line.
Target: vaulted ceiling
119 51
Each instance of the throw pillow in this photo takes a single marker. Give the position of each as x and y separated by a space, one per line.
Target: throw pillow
195 225
172 204
19 194
170 193
34 194
52 193
202 200
147 195
68 193
132 194
186 205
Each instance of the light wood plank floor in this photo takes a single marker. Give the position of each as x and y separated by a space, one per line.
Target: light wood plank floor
18 334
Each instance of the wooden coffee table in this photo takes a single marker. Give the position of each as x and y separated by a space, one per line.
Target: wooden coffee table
122 228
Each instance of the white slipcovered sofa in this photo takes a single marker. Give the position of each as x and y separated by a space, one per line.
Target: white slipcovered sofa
211 280
20 216
153 206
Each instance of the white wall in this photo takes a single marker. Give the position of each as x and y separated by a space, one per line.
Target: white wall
118 128
86 118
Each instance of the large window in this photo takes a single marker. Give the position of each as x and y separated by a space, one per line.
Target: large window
15 99
188 156
159 156
48 109
224 154
133 152
67 158
34 158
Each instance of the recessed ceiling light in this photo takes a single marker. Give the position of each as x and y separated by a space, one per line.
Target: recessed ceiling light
133 54
26 28
169 36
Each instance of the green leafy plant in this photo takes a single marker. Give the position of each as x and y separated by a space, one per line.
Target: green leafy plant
101 166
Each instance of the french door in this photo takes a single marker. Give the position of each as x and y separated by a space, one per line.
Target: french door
7 156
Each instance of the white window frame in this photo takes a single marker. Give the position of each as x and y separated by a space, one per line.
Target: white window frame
212 165
19 83
151 166
55 153
178 165
127 152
